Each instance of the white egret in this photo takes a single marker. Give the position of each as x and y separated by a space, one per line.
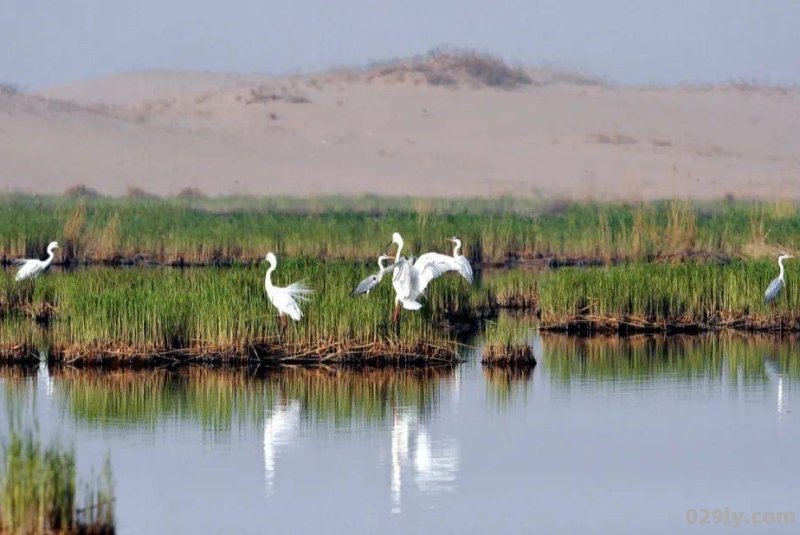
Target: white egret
458 262
410 277
778 282
33 267
285 299
373 280
445 263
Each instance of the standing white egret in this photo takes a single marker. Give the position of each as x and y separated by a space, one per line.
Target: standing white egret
373 280
778 282
461 264
411 277
285 299
33 267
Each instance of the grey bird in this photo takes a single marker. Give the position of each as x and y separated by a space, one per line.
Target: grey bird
778 282
373 280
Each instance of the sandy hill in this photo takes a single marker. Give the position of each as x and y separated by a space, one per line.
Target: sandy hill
435 126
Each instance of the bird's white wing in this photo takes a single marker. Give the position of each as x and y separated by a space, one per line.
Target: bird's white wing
285 303
299 290
464 268
441 264
30 270
445 263
437 258
428 267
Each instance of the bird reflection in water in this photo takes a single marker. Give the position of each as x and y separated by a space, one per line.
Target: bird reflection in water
280 427
45 381
434 463
776 377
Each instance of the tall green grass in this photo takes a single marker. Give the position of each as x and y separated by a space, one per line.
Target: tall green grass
39 490
243 229
507 340
663 296
225 312
201 313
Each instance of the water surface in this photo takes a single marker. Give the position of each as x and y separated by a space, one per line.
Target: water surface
604 435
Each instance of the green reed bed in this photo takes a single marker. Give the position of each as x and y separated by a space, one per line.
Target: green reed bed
511 288
39 491
25 298
507 341
221 400
668 297
224 312
208 231
23 340
213 313
724 357
462 305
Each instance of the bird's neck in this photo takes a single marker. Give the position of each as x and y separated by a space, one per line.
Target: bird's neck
268 278
399 248
780 264
380 263
456 249
50 257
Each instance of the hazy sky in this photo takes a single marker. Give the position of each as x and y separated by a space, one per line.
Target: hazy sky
51 42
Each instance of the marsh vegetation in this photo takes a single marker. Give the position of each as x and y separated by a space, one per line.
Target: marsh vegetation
215 313
40 492
673 266
205 231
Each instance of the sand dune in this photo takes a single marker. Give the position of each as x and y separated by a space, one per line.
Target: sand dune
351 133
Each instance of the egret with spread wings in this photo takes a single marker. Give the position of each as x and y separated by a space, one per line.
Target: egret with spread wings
778 282
33 267
411 277
285 299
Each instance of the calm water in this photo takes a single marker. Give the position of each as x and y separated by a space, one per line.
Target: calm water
603 436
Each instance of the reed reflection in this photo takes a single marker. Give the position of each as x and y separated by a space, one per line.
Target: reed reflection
507 385
729 359
16 384
222 399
